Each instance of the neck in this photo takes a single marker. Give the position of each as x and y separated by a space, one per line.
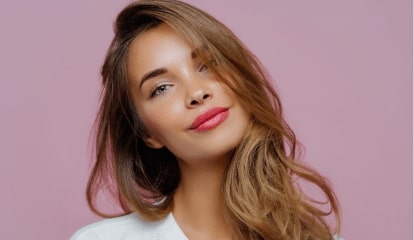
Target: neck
198 201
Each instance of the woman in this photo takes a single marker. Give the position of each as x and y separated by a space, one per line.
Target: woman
191 132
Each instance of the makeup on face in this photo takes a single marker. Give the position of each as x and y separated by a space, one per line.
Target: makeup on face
210 119
180 102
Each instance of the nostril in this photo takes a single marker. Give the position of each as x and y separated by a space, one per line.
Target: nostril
199 99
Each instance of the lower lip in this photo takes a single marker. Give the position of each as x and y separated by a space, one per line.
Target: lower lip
213 122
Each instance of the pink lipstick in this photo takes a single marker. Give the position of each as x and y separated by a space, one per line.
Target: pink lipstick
210 119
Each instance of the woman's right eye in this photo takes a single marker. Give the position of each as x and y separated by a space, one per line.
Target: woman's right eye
159 90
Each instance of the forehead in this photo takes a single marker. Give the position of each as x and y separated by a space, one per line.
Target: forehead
159 45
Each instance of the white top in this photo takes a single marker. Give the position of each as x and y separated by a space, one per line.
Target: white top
132 227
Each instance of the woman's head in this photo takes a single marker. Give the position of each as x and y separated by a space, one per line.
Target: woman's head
122 136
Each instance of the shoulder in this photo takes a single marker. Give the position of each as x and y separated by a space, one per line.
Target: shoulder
125 227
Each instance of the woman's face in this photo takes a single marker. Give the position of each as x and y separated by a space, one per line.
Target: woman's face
181 104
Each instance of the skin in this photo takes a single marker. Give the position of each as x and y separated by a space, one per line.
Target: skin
179 89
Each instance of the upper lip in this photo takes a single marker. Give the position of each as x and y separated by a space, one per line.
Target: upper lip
200 119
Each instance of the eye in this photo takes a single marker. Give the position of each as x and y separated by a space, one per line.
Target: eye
204 67
159 90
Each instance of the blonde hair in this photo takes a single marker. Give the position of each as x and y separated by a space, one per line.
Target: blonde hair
260 194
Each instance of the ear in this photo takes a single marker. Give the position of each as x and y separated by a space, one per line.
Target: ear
152 142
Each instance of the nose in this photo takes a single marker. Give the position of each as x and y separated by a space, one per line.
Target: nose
198 96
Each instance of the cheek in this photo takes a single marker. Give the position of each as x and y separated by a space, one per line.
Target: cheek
154 122
227 92
161 119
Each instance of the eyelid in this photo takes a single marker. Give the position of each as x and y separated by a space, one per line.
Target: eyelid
152 93
151 75
213 63
202 66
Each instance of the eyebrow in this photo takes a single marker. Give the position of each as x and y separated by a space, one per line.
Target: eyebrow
159 71
154 73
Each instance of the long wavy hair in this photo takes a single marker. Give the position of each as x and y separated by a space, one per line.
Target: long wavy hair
261 195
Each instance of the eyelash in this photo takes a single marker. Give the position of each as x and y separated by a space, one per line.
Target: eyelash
204 67
159 90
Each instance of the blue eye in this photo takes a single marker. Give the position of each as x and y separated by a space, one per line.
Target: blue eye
159 90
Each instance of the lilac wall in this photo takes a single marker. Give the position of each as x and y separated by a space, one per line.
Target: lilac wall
343 68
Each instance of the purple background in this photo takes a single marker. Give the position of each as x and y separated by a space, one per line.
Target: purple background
343 69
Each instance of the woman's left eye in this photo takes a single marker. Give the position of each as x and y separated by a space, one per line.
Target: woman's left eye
203 68
159 90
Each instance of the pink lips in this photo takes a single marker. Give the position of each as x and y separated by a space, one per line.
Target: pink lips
210 119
